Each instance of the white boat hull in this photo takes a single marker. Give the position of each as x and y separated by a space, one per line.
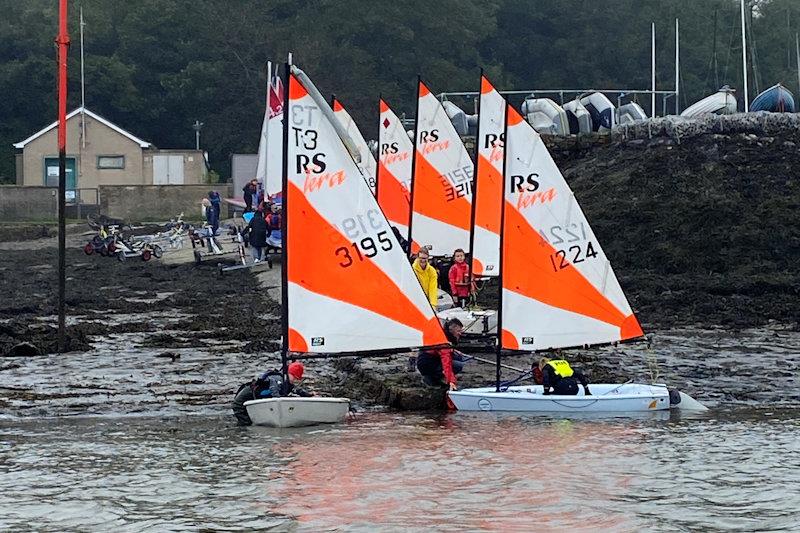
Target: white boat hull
293 411
475 322
605 398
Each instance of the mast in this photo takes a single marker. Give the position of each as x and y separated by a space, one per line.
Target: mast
499 346
677 68
63 45
744 62
653 69
475 186
378 162
83 94
285 251
797 55
413 174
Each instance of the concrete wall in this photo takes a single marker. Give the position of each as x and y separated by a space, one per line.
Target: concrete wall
156 202
243 169
100 140
20 204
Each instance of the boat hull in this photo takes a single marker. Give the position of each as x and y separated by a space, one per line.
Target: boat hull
605 398
296 411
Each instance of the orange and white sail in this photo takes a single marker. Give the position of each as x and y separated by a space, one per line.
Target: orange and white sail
270 147
350 287
395 156
488 193
559 289
367 164
441 197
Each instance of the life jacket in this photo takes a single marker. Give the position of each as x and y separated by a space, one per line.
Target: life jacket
561 368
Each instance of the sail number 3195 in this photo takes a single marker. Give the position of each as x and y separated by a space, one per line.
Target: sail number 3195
366 247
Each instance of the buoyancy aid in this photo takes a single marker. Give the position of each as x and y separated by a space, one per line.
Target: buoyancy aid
561 368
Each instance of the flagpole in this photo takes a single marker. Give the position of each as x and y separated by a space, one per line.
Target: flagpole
63 45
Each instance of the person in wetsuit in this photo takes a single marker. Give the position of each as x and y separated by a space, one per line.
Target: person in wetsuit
439 366
269 385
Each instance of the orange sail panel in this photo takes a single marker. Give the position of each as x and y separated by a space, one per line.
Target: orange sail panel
367 165
488 192
350 287
559 289
395 151
442 190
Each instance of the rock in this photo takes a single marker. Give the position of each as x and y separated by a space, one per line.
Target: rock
24 349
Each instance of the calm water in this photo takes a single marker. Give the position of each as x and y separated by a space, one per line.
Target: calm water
730 470
152 467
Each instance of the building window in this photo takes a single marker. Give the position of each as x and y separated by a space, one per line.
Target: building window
110 161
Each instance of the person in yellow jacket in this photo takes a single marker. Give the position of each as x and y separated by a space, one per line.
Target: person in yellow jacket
428 276
561 378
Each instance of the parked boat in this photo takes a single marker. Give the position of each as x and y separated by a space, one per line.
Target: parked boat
776 99
722 102
575 298
630 113
602 111
580 121
546 116
457 116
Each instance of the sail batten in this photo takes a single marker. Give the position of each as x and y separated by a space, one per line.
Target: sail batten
558 286
349 285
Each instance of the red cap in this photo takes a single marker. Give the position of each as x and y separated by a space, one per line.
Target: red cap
296 370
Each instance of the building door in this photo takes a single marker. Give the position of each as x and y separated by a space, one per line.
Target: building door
168 170
51 175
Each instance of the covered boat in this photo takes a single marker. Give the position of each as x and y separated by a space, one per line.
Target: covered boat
580 121
602 111
457 116
776 99
630 113
722 102
545 116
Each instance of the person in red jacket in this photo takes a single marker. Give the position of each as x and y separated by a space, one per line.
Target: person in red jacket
439 366
460 285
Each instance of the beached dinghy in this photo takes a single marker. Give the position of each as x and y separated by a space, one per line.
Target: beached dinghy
580 121
546 116
630 113
603 112
347 286
722 102
573 300
776 99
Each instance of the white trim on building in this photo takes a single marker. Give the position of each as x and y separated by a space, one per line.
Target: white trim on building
137 140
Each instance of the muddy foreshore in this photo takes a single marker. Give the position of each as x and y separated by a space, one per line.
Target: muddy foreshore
703 233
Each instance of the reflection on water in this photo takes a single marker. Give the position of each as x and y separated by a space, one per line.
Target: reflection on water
731 470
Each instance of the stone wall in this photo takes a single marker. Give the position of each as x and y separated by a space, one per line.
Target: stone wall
139 203
21 204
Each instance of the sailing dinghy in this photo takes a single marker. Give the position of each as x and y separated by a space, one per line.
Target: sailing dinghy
366 160
558 289
347 286
393 182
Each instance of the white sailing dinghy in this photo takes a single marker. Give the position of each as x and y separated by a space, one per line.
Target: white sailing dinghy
558 289
347 285
366 160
